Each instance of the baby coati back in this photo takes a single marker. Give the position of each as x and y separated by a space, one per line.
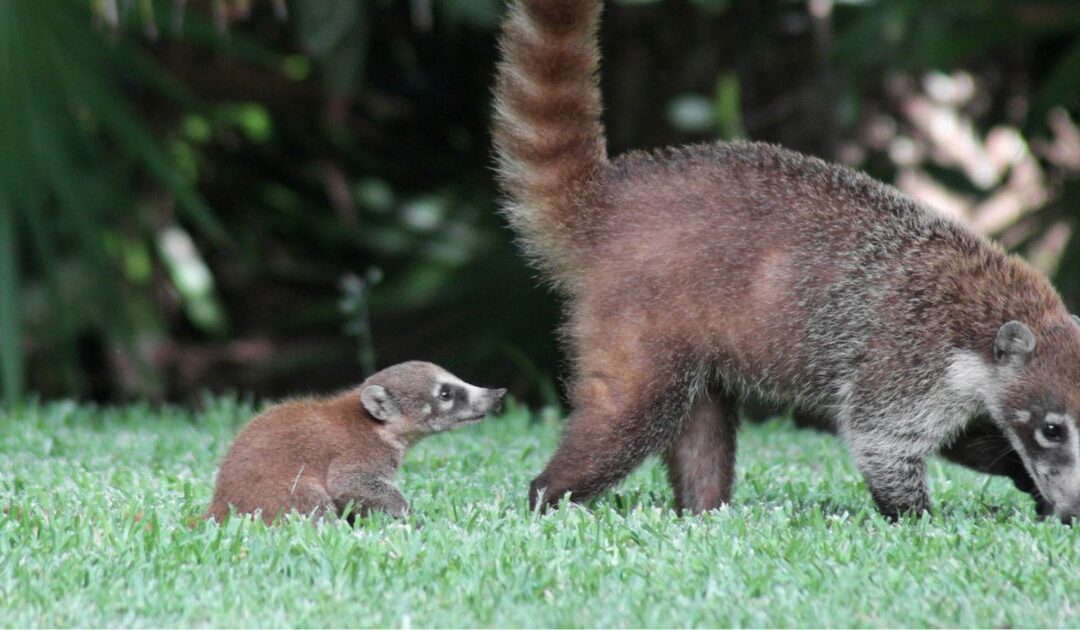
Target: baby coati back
317 456
697 274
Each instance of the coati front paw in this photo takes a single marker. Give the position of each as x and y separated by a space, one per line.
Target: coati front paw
895 514
894 509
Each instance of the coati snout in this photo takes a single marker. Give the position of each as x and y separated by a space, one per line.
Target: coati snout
326 456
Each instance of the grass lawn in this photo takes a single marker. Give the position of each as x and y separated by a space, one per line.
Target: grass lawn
97 502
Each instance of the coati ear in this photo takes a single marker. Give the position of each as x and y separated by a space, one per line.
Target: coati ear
1076 320
1015 343
378 403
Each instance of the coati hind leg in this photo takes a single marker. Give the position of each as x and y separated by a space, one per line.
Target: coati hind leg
628 401
701 460
305 495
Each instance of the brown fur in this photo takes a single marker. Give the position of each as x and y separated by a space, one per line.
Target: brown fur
317 456
746 268
701 460
281 460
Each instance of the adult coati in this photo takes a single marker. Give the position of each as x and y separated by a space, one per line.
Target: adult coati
317 456
695 274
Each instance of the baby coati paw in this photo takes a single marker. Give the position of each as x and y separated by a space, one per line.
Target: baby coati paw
538 494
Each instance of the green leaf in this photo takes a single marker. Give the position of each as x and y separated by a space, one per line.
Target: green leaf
1061 87
86 74
729 107
335 33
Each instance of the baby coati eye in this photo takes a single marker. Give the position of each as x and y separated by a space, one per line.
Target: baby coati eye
445 393
1053 432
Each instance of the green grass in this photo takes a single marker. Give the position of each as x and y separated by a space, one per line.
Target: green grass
97 504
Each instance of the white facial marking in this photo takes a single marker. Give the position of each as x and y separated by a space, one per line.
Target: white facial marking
1060 485
472 392
441 403
1023 416
1054 418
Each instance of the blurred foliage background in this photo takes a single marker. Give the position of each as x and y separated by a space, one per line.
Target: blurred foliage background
277 197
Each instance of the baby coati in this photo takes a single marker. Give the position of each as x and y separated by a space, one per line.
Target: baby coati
697 274
317 456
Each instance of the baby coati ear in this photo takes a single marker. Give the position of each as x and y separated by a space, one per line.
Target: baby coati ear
379 403
1015 344
1076 320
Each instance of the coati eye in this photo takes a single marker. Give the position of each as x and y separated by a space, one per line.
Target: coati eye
1053 432
445 393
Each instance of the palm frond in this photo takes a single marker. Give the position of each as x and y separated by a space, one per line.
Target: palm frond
67 128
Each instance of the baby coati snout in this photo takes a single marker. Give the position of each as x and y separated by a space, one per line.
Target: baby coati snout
328 456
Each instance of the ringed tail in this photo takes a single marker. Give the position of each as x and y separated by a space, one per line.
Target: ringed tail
548 135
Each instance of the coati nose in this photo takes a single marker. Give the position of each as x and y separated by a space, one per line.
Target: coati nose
497 396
